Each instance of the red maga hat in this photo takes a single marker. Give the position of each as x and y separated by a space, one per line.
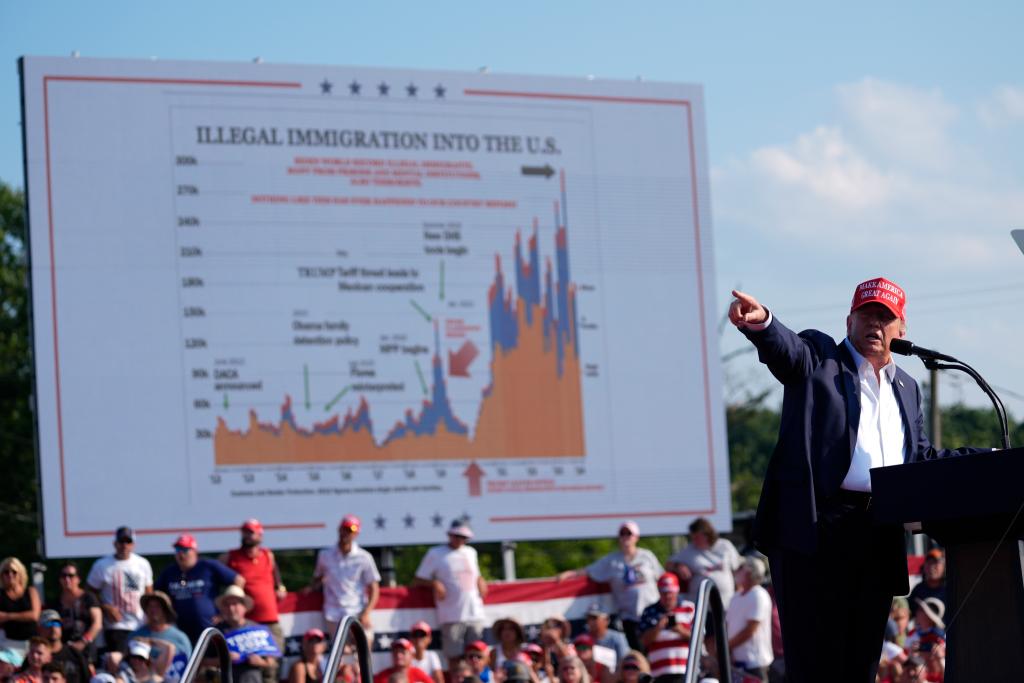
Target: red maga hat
403 643
668 582
880 291
350 522
186 541
252 525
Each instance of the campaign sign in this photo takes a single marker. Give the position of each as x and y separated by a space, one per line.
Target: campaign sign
254 639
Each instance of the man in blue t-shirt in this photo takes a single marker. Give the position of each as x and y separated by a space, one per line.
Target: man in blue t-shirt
193 583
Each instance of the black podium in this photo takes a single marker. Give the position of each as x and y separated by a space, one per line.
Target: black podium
972 505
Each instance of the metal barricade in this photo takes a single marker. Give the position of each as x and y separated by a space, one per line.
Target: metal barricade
210 636
708 597
349 625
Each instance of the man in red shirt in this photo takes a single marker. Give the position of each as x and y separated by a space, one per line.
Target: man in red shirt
401 657
262 582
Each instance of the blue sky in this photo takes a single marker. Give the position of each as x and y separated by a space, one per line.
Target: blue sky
846 141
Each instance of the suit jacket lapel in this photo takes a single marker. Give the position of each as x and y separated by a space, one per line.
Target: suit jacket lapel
905 398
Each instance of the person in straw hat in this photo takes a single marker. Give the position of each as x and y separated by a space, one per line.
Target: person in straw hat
169 642
252 645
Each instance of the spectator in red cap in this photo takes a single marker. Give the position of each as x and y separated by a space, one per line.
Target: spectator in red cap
847 408
193 583
422 657
631 571
584 645
933 578
665 631
479 662
348 577
257 565
453 573
538 662
401 658
119 581
309 668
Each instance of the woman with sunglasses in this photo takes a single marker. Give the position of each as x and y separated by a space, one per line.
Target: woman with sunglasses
632 667
79 611
19 605
310 667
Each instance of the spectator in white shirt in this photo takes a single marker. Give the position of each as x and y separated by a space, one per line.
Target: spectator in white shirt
453 573
348 577
422 658
120 580
748 621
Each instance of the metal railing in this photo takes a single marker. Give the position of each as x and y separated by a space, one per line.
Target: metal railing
347 626
708 597
210 636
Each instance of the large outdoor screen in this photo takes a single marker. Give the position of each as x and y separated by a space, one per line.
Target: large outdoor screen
294 292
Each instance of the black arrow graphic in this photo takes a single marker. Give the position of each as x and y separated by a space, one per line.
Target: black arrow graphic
545 170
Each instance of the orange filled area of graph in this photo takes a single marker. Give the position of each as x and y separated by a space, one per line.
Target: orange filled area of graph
532 408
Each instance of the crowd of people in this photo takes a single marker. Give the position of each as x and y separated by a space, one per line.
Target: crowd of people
123 625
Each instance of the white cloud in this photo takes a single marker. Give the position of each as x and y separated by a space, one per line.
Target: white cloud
897 183
900 123
1005 106
824 163
892 167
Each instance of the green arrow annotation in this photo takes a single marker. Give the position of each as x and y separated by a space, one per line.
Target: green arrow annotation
337 398
423 382
305 381
421 311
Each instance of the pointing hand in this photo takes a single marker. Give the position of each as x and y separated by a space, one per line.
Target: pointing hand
745 310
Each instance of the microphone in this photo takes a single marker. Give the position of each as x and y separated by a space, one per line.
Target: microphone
908 348
930 358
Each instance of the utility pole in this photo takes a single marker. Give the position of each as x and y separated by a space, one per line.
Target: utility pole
935 426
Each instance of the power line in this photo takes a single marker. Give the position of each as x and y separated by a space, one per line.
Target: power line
1018 286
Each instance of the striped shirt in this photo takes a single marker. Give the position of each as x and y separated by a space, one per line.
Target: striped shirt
670 651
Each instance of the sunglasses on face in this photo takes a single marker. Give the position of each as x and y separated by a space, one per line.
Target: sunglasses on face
180 549
630 667
475 655
68 575
419 634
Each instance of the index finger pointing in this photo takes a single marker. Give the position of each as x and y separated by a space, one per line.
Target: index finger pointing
744 297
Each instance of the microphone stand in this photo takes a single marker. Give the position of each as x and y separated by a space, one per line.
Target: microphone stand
933 364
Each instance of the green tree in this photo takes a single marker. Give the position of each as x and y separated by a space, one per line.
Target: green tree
17 453
752 430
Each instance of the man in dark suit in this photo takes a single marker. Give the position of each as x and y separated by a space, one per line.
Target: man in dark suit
846 409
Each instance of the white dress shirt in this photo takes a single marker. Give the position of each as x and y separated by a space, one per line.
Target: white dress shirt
880 433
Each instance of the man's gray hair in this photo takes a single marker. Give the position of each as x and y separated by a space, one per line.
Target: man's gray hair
757 568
